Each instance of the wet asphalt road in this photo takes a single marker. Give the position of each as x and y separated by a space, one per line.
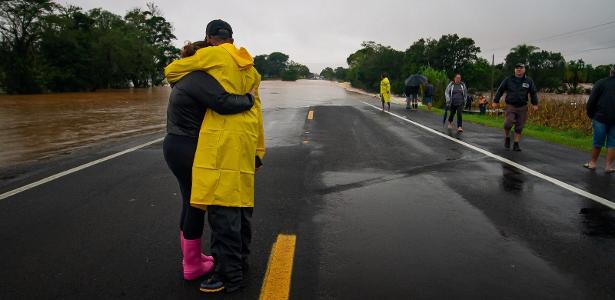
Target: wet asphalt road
381 210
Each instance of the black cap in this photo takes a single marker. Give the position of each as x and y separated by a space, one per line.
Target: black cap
219 28
519 65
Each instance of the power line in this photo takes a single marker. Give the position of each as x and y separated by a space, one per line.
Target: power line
564 35
553 37
592 49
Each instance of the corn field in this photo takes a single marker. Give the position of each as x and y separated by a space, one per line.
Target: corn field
566 112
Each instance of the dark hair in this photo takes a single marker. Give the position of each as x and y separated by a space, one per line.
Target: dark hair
383 75
191 48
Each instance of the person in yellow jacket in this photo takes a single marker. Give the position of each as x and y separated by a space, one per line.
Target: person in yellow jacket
385 91
229 149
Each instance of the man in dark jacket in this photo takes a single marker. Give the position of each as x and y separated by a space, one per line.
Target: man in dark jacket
517 87
601 109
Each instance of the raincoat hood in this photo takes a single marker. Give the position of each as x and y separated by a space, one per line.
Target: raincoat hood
241 56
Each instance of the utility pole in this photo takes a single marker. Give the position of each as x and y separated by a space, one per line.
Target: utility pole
492 74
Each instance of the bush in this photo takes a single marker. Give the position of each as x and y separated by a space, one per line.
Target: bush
439 81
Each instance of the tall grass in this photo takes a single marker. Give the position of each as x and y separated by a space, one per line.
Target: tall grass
564 112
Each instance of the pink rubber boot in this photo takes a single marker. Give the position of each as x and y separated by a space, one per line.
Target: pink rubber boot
203 256
194 266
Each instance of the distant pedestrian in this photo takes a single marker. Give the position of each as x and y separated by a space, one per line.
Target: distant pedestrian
601 109
469 101
412 95
428 95
482 104
456 94
518 88
385 91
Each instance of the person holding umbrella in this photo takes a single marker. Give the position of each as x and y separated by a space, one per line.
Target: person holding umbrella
412 90
456 94
385 91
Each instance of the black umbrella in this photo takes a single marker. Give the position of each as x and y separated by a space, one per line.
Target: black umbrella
415 80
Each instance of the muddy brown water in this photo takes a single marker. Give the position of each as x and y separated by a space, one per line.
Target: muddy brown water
37 127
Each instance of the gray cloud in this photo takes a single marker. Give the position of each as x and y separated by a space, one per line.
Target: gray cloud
323 33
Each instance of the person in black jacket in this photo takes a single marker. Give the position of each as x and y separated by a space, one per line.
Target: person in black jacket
517 87
189 99
601 109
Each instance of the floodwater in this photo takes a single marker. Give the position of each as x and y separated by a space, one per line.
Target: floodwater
37 127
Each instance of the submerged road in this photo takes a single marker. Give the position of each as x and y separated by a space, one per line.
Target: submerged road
376 208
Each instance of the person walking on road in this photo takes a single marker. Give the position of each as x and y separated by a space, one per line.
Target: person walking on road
428 95
412 95
385 91
456 94
229 151
601 109
190 98
517 87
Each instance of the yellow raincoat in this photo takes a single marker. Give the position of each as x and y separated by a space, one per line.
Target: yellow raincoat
223 168
385 90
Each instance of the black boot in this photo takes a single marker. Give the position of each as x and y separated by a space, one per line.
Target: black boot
516 147
507 143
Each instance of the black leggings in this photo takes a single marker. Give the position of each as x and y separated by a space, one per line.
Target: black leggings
179 154
459 110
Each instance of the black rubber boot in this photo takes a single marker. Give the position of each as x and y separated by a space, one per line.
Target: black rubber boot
516 147
507 143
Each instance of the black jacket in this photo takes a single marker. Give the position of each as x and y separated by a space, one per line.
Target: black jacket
190 98
601 103
517 91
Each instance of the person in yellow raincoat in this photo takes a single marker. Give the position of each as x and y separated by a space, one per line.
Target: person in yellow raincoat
385 91
229 149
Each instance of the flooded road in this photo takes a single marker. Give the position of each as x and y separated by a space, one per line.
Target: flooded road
38 127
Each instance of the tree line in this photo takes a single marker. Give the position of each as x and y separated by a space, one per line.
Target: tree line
45 46
440 59
277 66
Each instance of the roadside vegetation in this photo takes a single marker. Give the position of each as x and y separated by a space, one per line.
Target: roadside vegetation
47 47
562 116
277 66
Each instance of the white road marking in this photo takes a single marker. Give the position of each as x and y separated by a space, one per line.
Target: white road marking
557 182
73 170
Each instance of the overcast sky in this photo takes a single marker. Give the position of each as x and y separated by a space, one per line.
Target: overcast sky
321 33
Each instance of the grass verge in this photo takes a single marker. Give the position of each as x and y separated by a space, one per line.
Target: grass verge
571 138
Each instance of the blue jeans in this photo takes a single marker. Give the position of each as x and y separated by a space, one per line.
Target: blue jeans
603 134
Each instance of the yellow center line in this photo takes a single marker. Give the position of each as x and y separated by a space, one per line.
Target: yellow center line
277 279
311 115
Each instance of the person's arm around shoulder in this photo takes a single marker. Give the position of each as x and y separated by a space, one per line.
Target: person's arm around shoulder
204 59
206 90
592 102
260 146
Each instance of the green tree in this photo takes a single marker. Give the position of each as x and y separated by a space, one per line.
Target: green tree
20 29
576 72
546 68
158 32
368 63
439 80
477 76
340 73
277 62
327 73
